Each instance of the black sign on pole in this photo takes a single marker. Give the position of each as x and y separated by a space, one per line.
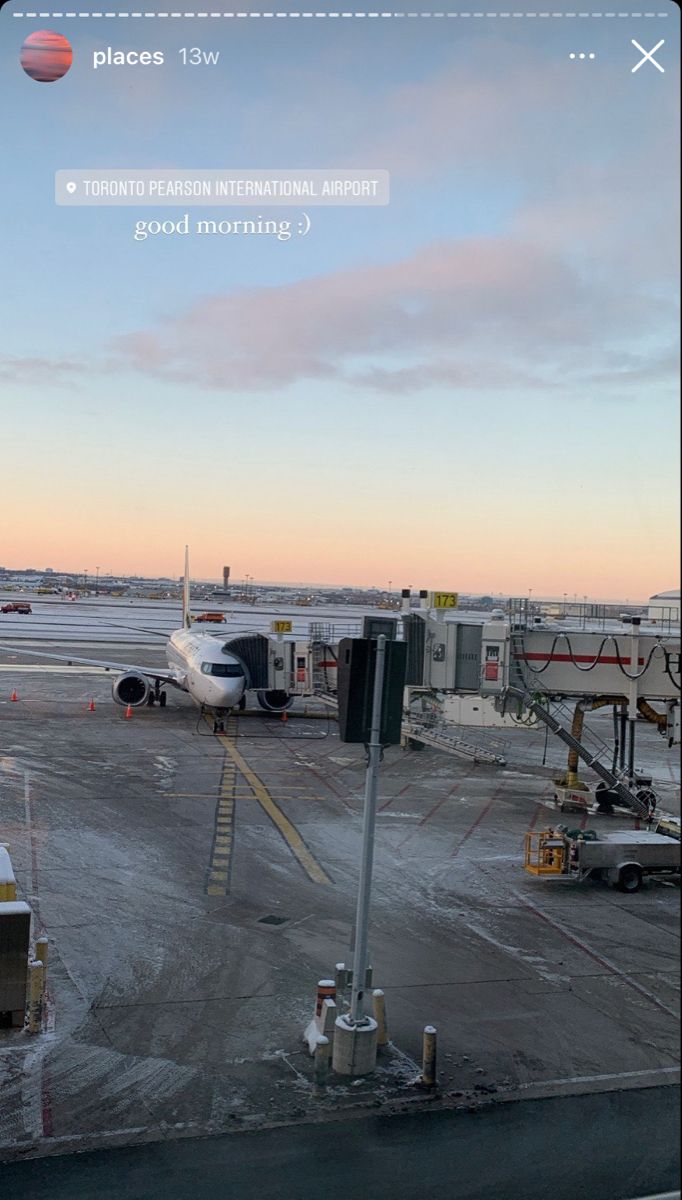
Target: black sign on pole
356 667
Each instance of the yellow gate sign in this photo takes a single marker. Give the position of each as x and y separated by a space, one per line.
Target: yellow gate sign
445 599
282 626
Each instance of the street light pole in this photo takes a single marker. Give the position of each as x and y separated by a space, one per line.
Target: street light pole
357 1015
97 581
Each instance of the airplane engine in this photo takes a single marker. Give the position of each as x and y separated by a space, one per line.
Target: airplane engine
131 689
274 701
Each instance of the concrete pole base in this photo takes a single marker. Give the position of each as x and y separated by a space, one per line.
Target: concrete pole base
355 1047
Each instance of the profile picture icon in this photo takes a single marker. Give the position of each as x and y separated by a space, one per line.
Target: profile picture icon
46 56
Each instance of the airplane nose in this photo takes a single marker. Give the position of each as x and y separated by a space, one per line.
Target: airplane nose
229 693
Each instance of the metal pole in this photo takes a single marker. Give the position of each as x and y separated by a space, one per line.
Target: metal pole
631 753
632 697
623 738
365 884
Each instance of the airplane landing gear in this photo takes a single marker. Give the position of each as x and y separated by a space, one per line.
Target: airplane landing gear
157 696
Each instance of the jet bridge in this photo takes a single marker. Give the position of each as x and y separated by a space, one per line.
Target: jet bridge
525 667
495 670
487 657
281 665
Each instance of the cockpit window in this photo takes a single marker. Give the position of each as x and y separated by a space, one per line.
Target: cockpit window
229 670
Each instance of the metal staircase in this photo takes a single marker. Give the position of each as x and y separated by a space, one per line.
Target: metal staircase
442 737
323 647
638 801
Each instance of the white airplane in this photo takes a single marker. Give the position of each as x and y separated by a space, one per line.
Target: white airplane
198 663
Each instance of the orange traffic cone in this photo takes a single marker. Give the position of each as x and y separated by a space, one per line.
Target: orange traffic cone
14 695
129 712
91 705
284 716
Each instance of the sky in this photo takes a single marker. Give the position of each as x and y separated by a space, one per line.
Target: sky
473 388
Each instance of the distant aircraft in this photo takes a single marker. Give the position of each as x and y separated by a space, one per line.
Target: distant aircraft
198 663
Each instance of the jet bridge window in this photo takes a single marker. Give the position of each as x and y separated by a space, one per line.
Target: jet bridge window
229 670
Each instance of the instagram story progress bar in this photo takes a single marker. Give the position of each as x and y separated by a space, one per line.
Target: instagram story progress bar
214 187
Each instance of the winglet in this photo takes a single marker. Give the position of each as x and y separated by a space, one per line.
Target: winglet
186 618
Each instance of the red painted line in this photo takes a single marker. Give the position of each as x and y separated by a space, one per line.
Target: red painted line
439 804
433 810
472 828
396 797
319 777
539 807
610 659
603 962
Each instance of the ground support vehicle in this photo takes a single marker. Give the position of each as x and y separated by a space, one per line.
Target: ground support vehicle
622 857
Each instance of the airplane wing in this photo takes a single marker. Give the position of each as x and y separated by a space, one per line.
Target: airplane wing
167 675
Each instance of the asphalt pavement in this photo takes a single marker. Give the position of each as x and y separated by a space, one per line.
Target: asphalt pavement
608 1146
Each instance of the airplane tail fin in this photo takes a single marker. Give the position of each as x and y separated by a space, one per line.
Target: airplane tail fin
186 618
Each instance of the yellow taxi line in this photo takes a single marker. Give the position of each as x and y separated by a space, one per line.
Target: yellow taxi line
288 831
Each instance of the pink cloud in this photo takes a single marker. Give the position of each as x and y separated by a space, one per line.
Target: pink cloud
443 298
485 312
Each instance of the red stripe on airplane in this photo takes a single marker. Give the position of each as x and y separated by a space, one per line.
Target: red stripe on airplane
610 659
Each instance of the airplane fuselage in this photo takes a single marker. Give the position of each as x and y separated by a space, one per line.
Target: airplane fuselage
212 676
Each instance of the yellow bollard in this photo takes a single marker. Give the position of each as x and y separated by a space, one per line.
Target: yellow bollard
379 1010
41 954
35 996
428 1078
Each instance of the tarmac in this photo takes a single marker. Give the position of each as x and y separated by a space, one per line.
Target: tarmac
195 888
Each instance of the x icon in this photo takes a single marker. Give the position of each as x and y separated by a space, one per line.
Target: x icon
648 56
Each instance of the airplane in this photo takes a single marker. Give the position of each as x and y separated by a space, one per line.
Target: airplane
198 663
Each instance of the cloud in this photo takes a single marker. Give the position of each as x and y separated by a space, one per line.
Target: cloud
481 312
27 370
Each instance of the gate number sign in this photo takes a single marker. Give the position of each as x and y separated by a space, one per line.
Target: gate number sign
445 599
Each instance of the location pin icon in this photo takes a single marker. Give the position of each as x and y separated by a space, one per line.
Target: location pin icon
71 187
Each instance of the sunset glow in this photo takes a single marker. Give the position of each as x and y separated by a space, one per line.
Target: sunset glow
473 387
